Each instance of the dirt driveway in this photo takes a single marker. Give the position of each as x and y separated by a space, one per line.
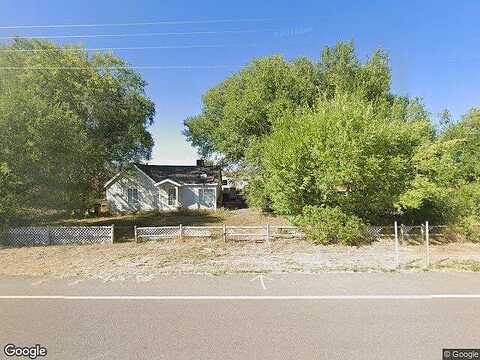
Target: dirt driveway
147 260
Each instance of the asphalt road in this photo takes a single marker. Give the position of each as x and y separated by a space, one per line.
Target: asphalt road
325 316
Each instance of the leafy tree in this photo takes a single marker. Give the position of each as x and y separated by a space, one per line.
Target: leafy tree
68 119
347 153
240 109
446 187
10 187
244 108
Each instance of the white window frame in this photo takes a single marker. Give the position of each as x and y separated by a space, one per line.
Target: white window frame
201 196
132 196
174 192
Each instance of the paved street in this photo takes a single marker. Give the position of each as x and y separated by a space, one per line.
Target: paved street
323 316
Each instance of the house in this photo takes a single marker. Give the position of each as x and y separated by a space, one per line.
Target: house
165 187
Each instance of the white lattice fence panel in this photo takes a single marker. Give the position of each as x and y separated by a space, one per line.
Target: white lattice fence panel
27 236
80 235
31 236
202 231
155 233
244 233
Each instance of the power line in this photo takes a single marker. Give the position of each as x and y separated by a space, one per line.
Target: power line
125 48
136 34
180 22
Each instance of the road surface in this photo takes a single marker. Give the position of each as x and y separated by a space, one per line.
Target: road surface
296 316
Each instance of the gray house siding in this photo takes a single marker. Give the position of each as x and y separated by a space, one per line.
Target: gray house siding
153 196
117 193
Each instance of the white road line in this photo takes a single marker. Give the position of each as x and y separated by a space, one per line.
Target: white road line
240 297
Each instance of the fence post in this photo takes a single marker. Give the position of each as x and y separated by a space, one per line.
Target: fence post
181 231
112 233
397 255
268 232
224 233
427 243
135 233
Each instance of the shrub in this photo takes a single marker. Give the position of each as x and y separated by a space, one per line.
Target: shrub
470 228
330 225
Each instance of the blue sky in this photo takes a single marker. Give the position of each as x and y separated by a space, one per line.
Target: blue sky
433 45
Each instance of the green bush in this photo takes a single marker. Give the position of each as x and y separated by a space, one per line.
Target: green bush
330 225
470 228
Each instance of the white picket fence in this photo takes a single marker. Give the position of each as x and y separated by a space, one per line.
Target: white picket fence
235 233
58 235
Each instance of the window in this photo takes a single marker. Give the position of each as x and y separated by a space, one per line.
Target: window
207 198
172 196
132 195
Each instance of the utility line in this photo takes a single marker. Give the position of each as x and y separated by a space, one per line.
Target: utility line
136 34
148 23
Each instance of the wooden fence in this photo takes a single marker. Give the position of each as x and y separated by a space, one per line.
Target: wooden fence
227 232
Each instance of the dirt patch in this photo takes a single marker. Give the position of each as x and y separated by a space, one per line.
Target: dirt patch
154 258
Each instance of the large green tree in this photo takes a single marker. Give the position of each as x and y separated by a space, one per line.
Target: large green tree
243 108
446 187
67 120
347 152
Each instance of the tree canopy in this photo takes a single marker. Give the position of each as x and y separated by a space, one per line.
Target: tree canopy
67 119
244 107
446 185
346 152
325 138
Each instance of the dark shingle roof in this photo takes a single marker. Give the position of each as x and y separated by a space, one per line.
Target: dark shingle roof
181 174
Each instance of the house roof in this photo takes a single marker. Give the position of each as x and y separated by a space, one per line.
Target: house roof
181 174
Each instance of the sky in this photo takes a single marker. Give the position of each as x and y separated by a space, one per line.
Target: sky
433 45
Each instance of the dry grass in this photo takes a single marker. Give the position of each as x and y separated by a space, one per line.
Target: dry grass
147 260
144 261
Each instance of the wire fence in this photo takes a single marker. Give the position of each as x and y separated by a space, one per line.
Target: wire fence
392 247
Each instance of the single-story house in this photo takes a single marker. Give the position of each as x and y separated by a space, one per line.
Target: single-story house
165 187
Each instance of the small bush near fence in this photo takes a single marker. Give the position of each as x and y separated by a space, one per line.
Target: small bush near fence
470 229
332 226
31 236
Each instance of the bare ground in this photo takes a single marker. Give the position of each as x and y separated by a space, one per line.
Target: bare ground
144 261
